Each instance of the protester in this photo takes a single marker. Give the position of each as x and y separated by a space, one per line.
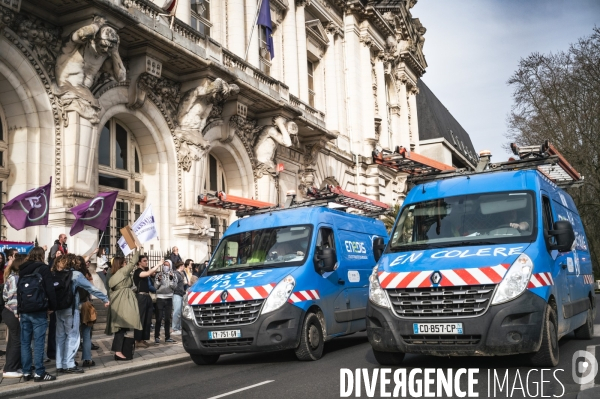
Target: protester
178 293
2 266
165 285
12 365
41 300
59 246
102 264
124 313
175 258
86 310
141 281
67 313
187 273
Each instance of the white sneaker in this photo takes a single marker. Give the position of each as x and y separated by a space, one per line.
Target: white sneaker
12 374
176 332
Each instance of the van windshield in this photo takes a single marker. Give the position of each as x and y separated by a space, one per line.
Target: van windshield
475 219
264 248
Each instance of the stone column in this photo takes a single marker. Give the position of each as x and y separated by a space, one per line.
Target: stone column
290 67
301 48
353 81
217 14
366 100
384 138
404 128
414 121
341 84
331 89
80 143
184 11
236 42
253 56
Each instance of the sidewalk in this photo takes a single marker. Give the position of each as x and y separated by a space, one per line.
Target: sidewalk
155 356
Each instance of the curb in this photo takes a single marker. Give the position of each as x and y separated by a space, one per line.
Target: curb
32 387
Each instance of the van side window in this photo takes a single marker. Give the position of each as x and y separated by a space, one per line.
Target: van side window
547 214
325 239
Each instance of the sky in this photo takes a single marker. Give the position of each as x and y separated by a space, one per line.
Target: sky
473 47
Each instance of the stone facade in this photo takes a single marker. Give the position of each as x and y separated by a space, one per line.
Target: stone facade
110 94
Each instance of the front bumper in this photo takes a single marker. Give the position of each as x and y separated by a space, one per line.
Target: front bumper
274 331
505 329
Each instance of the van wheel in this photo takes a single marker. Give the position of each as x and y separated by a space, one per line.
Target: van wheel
586 331
311 341
547 356
205 360
389 358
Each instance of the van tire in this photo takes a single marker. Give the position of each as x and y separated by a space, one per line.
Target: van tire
205 360
388 358
312 341
548 354
586 331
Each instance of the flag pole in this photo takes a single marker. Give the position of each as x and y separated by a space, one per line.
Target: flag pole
252 30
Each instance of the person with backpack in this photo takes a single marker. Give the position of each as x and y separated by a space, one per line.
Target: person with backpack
35 299
12 365
66 282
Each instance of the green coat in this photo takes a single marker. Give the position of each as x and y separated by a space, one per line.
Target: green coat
124 311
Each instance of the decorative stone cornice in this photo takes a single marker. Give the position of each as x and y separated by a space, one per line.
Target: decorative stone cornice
303 3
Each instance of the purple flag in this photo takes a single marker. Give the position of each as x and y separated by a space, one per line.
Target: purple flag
264 20
29 209
95 212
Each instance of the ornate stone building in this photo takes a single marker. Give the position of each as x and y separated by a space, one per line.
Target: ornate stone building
113 94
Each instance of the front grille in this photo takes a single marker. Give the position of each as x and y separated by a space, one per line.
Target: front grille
441 339
226 343
227 313
472 300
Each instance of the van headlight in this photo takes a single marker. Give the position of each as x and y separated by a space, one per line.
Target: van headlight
187 312
280 294
377 294
515 280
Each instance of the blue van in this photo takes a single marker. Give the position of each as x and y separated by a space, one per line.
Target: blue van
287 279
493 263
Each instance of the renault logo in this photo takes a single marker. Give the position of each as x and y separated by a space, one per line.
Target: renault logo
436 277
224 296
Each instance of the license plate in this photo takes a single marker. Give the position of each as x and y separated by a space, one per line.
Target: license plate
437 328
224 334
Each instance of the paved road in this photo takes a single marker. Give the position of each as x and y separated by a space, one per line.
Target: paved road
280 375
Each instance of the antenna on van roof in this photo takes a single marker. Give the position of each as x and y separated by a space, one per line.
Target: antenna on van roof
316 197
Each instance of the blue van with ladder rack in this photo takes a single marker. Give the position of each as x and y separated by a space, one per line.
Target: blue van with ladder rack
288 278
489 262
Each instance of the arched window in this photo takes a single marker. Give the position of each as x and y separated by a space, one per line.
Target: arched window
215 176
119 167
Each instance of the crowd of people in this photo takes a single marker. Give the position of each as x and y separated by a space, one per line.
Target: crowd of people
48 293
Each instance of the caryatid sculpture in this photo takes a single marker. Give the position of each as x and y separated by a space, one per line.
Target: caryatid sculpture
270 136
193 111
83 55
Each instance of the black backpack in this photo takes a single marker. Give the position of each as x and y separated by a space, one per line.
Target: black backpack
31 294
63 286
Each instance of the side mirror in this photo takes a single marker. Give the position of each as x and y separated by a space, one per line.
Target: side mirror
378 247
326 260
564 235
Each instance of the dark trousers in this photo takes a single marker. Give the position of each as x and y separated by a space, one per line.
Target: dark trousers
51 351
146 309
117 345
13 346
164 307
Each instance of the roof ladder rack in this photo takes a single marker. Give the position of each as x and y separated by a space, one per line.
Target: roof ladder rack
412 163
230 202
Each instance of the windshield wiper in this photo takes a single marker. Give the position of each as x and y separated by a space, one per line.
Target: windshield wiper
463 243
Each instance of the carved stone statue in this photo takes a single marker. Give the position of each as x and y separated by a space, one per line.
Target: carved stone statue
84 54
193 111
270 136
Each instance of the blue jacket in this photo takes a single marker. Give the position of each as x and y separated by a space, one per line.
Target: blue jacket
79 280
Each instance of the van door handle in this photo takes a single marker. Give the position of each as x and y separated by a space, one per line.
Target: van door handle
564 265
341 282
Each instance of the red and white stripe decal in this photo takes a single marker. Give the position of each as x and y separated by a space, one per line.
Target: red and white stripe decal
540 280
450 277
588 279
233 295
299 296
